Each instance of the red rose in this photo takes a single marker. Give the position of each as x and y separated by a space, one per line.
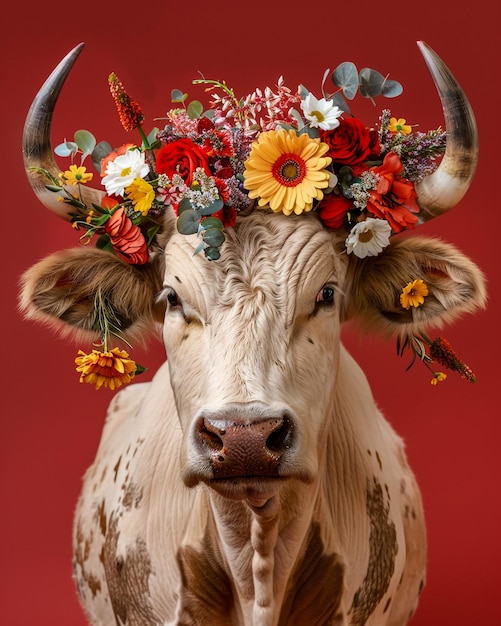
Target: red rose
332 210
349 143
126 238
182 157
394 198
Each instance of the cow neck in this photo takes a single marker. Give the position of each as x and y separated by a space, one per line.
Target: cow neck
261 546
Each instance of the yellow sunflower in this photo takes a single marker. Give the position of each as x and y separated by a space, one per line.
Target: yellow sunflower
287 171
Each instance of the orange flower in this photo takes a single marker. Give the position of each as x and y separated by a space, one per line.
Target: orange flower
126 238
105 369
129 111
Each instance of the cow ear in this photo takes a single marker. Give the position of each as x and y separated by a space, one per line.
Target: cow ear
61 291
455 285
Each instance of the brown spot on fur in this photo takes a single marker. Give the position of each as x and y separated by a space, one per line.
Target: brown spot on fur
387 605
133 496
86 580
315 595
207 593
101 514
379 461
115 468
127 578
383 548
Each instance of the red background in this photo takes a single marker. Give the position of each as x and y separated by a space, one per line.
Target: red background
51 424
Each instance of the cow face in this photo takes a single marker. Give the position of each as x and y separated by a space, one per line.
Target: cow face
252 343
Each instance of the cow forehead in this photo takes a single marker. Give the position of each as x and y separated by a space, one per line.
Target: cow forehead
274 254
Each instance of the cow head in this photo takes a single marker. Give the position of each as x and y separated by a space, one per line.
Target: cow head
253 339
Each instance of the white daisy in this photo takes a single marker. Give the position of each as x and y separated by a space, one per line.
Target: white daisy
123 170
368 238
320 113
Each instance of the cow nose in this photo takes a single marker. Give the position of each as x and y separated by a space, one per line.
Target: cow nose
240 447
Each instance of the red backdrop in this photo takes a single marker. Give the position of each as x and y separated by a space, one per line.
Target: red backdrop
51 424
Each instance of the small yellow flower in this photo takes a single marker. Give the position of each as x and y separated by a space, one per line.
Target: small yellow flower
76 174
142 195
413 294
438 377
105 369
399 126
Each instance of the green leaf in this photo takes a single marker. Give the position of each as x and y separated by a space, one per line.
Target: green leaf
212 208
187 222
212 254
391 89
211 222
53 187
151 233
371 83
199 248
104 243
66 149
345 76
213 237
101 151
86 142
184 205
195 110
178 96
152 136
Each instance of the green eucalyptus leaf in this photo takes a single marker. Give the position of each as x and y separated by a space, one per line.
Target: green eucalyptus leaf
345 76
298 117
392 88
303 92
86 142
212 254
195 110
178 96
184 205
371 83
211 222
213 237
66 149
187 222
338 100
216 206
311 132
101 151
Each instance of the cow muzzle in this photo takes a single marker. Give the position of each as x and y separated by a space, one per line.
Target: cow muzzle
248 442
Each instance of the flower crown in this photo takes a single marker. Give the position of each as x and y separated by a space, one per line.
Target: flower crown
278 149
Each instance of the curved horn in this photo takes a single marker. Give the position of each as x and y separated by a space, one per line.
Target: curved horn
444 188
37 149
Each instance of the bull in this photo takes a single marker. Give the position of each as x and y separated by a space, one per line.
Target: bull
253 481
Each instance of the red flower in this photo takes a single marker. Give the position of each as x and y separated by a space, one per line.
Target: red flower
351 142
182 157
126 238
332 210
227 215
394 198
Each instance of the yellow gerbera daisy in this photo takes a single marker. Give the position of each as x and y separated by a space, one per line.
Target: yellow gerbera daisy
105 369
287 171
413 294
76 174
142 195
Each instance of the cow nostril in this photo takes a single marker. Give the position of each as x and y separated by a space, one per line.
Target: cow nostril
278 439
210 439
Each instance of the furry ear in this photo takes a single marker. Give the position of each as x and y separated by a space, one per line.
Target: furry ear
455 285
61 291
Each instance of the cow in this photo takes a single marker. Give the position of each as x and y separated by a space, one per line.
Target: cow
253 480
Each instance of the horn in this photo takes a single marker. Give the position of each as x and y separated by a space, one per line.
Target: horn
444 188
37 149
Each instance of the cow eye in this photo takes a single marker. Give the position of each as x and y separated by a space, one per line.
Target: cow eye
325 295
168 294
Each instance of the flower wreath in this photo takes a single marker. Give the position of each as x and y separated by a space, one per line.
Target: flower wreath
287 151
